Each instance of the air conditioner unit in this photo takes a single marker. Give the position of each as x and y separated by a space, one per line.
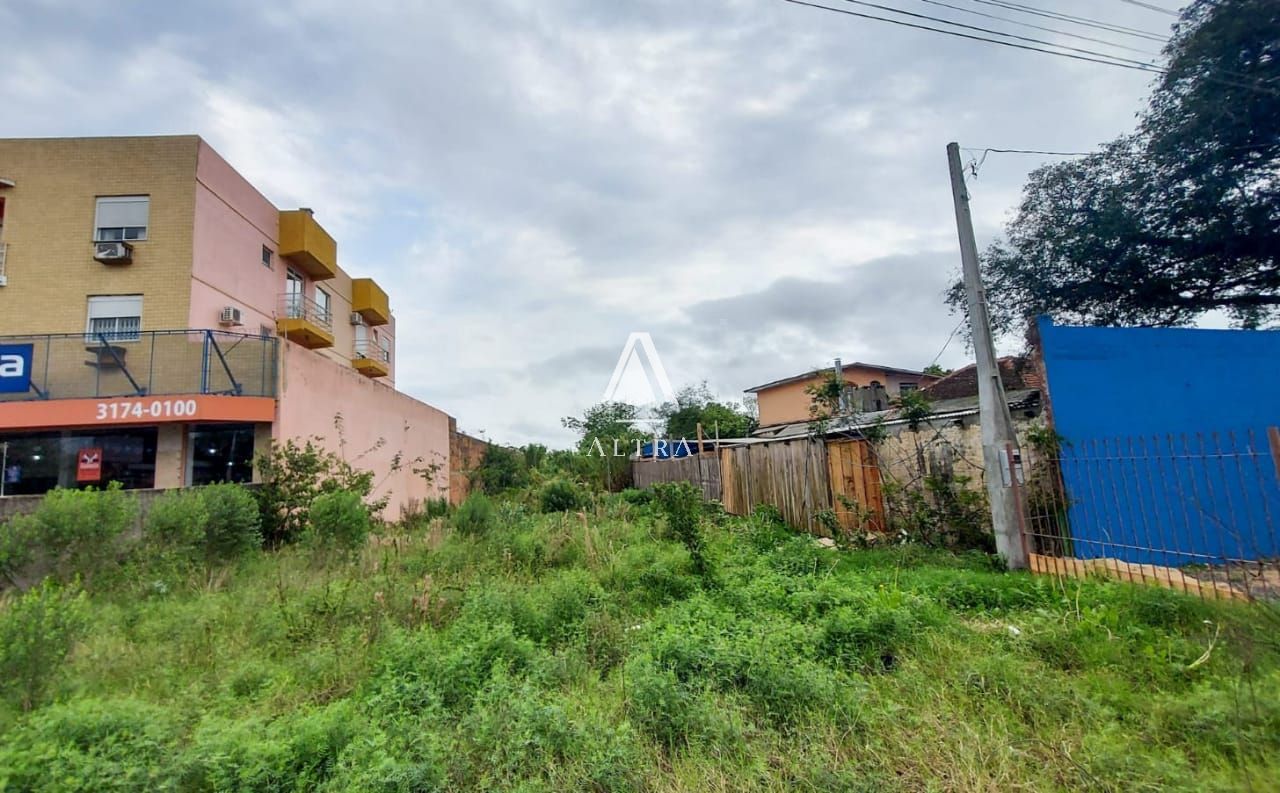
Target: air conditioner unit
230 316
357 318
113 252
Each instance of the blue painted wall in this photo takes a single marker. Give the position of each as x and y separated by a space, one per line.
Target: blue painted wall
1167 459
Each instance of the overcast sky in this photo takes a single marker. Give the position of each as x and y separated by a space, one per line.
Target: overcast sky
761 186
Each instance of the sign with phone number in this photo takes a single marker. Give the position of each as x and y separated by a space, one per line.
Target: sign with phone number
146 409
48 413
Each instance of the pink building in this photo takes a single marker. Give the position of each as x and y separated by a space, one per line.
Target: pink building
159 312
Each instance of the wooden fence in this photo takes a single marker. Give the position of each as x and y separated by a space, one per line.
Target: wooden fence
801 477
700 469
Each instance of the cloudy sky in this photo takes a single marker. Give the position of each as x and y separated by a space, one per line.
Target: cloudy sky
761 186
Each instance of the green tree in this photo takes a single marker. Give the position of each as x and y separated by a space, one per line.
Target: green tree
1177 219
501 469
602 429
695 405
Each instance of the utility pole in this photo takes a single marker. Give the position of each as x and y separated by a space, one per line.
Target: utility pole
1000 456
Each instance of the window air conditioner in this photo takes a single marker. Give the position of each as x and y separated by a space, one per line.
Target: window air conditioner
230 316
113 252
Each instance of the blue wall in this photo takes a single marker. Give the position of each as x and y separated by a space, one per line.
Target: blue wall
1159 456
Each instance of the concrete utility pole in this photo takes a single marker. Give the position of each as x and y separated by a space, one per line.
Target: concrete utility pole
1000 456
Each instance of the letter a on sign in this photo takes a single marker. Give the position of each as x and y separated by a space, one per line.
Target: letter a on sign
15 368
89 465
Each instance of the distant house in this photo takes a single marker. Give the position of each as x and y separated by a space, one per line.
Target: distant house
1018 373
785 401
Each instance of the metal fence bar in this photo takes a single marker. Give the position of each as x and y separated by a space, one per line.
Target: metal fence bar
1191 512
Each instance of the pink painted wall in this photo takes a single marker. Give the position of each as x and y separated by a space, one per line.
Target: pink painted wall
232 223
313 389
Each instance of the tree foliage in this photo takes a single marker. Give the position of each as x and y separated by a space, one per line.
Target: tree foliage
695 405
1177 219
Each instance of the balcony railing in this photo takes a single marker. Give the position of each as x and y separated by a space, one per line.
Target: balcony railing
297 306
369 348
155 362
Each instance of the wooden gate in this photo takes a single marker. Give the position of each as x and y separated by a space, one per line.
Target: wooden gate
856 495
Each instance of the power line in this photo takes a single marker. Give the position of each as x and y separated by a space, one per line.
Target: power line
1014 36
1008 5
947 343
975 165
1151 7
958 34
1039 27
1105 59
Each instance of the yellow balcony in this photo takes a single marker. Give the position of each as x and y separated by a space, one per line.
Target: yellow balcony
305 243
369 301
371 360
302 320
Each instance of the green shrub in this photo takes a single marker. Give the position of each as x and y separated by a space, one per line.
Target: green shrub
675 713
294 475
870 636
233 527
176 524
339 520
37 631
682 504
638 498
561 495
17 545
80 529
475 515
92 746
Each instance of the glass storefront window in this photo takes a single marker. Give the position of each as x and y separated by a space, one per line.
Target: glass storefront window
37 462
221 453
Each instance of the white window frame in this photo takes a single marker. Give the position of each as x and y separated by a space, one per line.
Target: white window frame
906 387
120 318
268 258
98 227
324 304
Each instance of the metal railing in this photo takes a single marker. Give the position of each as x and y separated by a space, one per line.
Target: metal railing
369 348
298 306
154 362
1196 512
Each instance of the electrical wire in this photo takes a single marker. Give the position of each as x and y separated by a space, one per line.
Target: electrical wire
1039 27
846 12
947 343
1008 5
1104 59
1014 36
1151 7
976 164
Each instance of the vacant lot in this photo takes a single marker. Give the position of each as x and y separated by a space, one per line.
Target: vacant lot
566 652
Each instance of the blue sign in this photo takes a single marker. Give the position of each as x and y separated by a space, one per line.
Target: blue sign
15 368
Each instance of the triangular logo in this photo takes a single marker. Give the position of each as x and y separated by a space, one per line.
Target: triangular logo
635 384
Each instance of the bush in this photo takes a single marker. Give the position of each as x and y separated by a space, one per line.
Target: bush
37 631
91 746
293 476
475 515
561 495
176 524
80 529
682 504
234 523
339 520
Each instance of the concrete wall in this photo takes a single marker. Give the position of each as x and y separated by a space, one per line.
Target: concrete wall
379 423
952 447
788 402
48 225
465 454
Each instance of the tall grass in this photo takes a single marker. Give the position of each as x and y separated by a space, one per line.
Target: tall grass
586 651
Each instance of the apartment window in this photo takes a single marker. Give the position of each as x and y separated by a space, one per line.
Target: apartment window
905 387
266 331
322 304
115 317
121 218
266 257
293 300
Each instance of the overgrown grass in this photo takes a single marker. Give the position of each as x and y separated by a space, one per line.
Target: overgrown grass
591 652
